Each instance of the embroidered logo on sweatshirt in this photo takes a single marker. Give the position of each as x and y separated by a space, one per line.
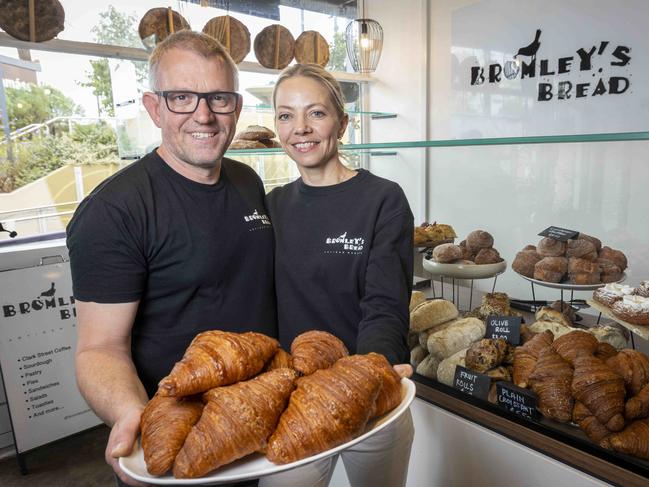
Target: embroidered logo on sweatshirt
345 245
257 218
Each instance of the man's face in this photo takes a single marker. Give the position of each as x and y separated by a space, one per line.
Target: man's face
196 139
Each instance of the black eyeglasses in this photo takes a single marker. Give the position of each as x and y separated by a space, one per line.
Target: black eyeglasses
220 102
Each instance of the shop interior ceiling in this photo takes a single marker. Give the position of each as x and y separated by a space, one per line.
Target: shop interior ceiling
270 8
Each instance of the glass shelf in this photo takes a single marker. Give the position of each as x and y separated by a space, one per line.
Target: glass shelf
269 109
545 139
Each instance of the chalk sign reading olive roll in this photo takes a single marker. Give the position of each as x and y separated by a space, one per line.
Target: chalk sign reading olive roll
274 47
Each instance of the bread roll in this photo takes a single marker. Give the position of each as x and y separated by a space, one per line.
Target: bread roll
428 367
557 329
446 368
430 313
416 298
443 344
479 239
447 252
417 355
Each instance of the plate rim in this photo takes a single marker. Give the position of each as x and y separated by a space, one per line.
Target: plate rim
408 390
571 287
453 270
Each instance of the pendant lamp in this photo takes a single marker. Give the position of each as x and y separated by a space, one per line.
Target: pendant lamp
364 40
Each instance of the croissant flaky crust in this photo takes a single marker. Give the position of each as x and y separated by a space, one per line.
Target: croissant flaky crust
165 423
236 421
633 440
328 408
315 350
525 357
281 360
217 358
551 380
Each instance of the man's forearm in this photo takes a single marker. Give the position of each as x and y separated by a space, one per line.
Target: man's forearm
109 383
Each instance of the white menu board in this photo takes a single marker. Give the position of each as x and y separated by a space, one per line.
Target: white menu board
37 345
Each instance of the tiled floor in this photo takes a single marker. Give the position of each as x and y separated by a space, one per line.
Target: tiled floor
77 461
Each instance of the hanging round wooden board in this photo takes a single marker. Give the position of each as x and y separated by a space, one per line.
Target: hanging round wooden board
274 47
230 32
311 47
158 22
47 19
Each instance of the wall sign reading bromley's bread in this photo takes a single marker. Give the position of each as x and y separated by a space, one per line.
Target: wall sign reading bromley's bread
600 59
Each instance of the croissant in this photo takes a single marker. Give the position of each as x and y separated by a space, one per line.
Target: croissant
633 440
525 356
389 396
588 423
551 381
165 423
236 421
328 408
575 343
605 351
633 367
218 358
600 389
282 359
315 350
638 405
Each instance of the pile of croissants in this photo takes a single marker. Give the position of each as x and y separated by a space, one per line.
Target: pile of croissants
235 394
579 379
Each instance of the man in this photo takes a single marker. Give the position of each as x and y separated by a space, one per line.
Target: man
175 244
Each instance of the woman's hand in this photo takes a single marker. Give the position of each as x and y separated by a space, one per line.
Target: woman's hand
121 440
404 370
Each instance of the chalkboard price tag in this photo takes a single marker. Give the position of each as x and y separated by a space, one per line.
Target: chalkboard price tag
471 383
507 327
516 400
558 233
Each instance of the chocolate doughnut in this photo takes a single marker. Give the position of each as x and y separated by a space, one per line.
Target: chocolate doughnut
549 247
487 256
615 256
479 239
551 269
579 248
525 261
632 309
447 252
595 241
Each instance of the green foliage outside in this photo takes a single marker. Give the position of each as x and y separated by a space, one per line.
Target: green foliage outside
337 53
33 159
37 104
117 29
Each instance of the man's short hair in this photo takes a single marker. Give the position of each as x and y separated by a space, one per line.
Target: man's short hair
196 42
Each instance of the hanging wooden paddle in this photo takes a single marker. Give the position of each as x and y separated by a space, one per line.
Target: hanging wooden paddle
311 47
232 34
32 20
161 22
274 47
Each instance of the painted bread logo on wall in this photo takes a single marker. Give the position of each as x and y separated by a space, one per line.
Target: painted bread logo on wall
344 245
593 58
45 301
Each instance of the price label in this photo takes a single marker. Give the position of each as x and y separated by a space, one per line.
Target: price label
558 233
471 383
507 327
516 400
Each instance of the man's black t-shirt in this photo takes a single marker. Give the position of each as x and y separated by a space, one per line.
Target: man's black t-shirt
196 256
344 263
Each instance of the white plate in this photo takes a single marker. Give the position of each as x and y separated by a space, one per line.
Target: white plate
465 271
257 465
568 286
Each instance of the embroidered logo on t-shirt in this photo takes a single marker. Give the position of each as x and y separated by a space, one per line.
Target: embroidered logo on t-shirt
257 218
345 245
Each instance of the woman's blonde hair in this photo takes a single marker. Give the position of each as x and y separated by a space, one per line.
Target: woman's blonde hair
318 74
196 42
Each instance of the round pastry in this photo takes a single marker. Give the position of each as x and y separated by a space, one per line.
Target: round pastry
271 143
466 253
583 271
610 272
549 247
642 289
246 144
611 293
615 256
551 269
255 132
580 248
487 256
529 247
479 239
584 278
595 241
447 253
525 261
632 309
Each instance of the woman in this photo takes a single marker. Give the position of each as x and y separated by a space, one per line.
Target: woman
344 258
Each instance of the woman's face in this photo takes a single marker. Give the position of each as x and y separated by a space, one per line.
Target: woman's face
307 123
